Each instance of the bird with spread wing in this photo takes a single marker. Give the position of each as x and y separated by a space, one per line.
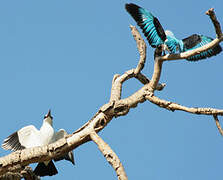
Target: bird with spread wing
156 36
29 136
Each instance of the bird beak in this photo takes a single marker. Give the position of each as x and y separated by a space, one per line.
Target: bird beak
49 114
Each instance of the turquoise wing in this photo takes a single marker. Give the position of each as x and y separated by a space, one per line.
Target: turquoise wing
150 25
172 44
195 41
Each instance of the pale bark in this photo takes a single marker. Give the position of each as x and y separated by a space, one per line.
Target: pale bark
110 155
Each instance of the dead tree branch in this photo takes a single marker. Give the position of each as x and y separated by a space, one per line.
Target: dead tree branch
141 45
26 173
218 124
110 155
174 106
214 20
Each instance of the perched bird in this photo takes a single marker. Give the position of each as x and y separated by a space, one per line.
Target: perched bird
29 136
156 36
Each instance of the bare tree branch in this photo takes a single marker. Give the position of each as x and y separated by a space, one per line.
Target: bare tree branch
11 176
174 106
116 89
218 124
157 69
144 80
26 173
141 45
110 155
214 20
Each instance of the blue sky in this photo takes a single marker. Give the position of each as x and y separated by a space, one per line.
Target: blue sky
62 55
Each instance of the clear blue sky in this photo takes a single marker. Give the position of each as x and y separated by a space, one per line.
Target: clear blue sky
63 55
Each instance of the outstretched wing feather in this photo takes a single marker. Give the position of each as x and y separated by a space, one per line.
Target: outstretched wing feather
150 25
195 41
20 139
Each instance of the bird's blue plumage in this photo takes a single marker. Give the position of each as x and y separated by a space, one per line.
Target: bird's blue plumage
172 44
195 41
150 25
156 36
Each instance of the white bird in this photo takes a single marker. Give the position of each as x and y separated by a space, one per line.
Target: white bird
29 136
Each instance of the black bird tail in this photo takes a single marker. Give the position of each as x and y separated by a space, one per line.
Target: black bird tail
45 170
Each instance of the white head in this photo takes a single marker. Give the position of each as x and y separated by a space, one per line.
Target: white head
48 118
169 33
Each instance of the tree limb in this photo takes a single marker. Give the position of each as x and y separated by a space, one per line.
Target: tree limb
110 155
174 106
218 124
157 69
141 45
214 20
26 173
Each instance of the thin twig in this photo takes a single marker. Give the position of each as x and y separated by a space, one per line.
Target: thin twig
174 106
214 20
141 45
218 124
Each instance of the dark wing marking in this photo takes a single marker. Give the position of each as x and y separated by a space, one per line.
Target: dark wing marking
12 143
159 29
20 139
191 41
195 41
150 25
